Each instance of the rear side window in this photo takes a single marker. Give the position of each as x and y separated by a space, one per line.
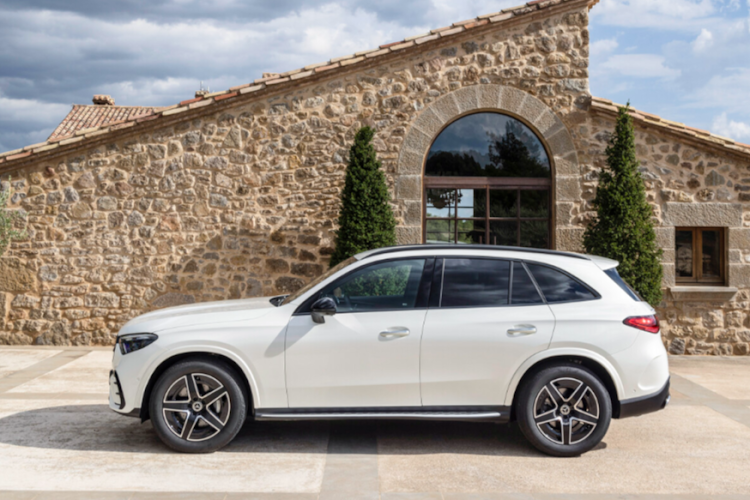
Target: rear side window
475 283
612 273
523 290
558 286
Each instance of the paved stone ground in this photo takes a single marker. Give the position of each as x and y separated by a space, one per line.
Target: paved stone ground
59 440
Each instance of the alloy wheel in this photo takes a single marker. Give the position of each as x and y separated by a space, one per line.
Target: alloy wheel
196 407
566 411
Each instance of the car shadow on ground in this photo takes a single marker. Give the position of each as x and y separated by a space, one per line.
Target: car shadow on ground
97 428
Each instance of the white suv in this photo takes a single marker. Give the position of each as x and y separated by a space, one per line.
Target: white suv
556 341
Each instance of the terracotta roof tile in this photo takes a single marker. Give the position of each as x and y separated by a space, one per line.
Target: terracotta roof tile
103 119
84 116
607 107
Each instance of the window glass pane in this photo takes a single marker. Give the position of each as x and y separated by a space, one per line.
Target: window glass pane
440 231
535 234
504 203
711 254
504 233
524 291
487 145
557 286
388 285
441 203
534 203
471 231
472 203
612 273
684 254
475 283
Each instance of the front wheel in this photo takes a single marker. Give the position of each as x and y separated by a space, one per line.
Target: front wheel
198 406
564 410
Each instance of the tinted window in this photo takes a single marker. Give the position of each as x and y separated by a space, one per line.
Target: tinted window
475 283
612 273
523 289
559 287
383 286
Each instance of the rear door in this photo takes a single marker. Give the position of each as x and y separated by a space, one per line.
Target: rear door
486 320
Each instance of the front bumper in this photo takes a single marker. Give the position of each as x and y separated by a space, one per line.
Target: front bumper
645 404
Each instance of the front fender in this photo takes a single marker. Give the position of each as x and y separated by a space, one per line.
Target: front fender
581 352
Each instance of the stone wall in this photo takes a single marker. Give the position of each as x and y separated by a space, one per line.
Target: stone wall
243 202
688 184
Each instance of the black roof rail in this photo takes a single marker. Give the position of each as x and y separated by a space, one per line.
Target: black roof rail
458 248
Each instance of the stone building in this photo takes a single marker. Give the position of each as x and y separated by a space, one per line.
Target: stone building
487 133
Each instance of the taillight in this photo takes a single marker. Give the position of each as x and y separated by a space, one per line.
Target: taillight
646 323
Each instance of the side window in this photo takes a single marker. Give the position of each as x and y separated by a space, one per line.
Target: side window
382 286
559 287
475 283
523 290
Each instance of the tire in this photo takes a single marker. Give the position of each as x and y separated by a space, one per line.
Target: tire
210 417
564 410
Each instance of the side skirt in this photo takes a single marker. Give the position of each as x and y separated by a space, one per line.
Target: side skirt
498 414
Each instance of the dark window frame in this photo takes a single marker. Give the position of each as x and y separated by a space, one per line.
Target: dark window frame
697 278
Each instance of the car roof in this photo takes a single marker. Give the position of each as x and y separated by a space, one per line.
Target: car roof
602 262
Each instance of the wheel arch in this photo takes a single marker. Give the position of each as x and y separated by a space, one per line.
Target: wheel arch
597 364
163 365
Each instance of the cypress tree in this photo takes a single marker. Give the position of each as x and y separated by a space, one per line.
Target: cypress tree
623 229
366 219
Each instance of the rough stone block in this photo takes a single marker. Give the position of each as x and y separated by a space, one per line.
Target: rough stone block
409 235
569 239
409 187
566 167
739 238
4 297
429 122
568 188
668 275
173 299
411 162
417 140
561 143
467 99
565 213
489 96
532 109
665 237
413 213
547 121
512 99
446 107
702 214
16 276
739 275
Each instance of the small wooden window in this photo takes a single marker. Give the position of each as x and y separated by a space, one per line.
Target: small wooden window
699 255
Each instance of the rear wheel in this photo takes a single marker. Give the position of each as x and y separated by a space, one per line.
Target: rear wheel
564 410
198 406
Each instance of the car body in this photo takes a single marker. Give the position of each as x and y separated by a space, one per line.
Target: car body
439 334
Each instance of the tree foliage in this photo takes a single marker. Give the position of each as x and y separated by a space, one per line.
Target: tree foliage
8 219
366 219
623 229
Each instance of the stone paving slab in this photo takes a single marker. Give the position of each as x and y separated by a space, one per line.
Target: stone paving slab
14 360
59 440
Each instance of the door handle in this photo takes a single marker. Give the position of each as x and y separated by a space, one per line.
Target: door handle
394 333
521 330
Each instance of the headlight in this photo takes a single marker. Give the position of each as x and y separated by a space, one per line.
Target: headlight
134 341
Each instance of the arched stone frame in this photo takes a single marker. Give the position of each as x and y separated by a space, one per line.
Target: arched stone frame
521 105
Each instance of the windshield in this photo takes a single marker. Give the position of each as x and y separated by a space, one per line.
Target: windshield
319 279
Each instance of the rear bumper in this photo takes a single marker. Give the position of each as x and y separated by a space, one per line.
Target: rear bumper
646 404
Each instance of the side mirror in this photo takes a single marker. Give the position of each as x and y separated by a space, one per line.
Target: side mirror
323 307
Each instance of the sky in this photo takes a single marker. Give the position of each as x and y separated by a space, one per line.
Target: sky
686 60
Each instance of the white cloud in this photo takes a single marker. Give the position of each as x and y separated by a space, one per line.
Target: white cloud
603 47
728 91
703 42
738 131
661 14
640 66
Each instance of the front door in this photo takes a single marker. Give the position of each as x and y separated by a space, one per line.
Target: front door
367 354
490 319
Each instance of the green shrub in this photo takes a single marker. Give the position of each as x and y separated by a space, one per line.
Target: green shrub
623 229
366 219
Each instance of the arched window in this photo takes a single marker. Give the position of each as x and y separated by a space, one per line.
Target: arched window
487 181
